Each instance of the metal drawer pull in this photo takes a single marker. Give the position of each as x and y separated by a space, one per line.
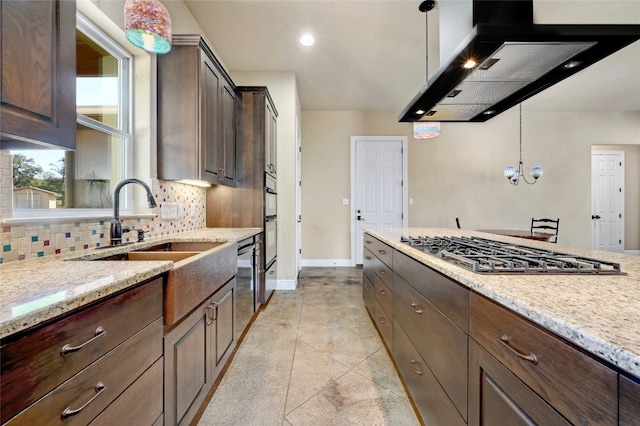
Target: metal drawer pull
415 370
67 349
382 292
382 252
416 309
68 412
368 257
211 317
367 287
382 272
367 241
532 358
381 318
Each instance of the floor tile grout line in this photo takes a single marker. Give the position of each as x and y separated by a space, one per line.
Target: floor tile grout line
293 360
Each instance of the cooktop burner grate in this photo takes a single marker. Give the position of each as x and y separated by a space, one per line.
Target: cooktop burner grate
496 257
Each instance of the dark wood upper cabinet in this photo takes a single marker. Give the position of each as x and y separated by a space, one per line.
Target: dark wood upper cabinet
38 67
196 114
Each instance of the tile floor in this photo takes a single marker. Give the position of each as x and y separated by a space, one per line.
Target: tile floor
312 357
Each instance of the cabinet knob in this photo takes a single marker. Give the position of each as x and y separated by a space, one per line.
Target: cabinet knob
417 309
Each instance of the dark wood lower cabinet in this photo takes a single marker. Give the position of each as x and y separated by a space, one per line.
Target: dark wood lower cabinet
195 352
498 397
629 403
432 402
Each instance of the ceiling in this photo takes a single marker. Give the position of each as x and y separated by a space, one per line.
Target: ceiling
370 54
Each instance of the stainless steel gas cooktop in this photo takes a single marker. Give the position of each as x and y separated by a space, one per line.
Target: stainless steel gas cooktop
496 257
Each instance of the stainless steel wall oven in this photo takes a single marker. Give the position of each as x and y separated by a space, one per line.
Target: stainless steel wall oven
270 236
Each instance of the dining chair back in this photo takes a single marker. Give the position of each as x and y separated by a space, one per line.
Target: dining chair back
546 226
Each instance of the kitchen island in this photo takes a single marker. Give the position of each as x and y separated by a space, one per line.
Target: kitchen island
447 314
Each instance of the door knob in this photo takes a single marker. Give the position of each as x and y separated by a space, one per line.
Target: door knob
595 216
359 218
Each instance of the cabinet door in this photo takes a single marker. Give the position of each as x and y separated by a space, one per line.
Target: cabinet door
229 135
222 343
497 397
38 66
187 367
211 148
629 404
270 139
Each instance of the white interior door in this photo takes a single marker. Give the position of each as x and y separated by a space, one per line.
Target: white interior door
378 193
607 199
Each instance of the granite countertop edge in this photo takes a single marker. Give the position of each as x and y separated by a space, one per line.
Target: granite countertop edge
64 283
607 326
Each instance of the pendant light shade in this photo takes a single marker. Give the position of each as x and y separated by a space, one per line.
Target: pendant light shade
147 25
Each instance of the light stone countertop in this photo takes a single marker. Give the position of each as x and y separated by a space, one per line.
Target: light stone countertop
599 313
33 291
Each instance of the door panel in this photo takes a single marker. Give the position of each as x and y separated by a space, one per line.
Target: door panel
607 195
378 191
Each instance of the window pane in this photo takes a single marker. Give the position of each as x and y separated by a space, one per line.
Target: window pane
97 82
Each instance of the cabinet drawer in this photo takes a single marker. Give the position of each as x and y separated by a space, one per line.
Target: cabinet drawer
373 266
36 357
379 249
575 384
384 324
383 296
439 341
449 297
115 372
429 397
368 294
140 404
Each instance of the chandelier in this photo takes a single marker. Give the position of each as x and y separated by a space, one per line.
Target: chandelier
514 175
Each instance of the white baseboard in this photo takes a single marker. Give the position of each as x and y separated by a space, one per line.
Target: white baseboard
286 284
325 262
633 252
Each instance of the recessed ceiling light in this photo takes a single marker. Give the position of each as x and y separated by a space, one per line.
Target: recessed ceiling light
420 112
469 64
307 40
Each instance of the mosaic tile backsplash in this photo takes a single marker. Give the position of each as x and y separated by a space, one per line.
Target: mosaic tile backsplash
40 238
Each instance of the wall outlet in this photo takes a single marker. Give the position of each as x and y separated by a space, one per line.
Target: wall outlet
180 211
345 201
169 211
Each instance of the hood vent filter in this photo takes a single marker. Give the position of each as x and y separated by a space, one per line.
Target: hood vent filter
509 69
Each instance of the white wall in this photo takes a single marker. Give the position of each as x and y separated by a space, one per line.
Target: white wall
460 173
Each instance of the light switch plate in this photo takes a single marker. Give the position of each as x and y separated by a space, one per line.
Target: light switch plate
345 201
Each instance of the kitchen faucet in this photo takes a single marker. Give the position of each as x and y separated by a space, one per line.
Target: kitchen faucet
116 226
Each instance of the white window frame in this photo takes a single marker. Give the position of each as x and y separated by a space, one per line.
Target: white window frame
125 130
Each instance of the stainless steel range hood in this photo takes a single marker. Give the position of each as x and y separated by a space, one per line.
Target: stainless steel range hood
515 59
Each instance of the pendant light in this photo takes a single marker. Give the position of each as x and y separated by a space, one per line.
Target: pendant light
514 175
147 25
